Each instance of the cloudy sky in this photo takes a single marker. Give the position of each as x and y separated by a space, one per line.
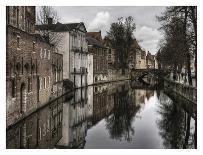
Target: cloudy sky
100 18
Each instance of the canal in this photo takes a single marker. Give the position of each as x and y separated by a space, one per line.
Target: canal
120 115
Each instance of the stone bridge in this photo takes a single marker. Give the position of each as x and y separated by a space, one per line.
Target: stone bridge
142 85
140 73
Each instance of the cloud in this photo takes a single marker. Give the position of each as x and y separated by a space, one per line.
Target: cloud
148 38
68 19
100 21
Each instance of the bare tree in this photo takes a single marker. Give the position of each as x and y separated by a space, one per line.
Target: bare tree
186 16
47 18
46 12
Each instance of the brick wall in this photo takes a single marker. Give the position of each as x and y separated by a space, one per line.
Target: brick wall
29 76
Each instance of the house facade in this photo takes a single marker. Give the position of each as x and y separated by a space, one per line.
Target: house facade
137 57
73 46
100 70
150 60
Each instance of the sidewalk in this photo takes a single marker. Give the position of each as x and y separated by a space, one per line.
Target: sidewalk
183 80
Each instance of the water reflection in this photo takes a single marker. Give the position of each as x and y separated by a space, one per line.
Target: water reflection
176 125
42 129
116 115
119 124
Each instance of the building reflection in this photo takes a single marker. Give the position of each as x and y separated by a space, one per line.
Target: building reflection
75 114
64 123
41 129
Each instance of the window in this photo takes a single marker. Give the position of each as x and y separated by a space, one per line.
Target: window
17 18
29 84
48 81
13 86
109 51
40 133
14 10
44 82
48 127
40 83
56 76
18 41
45 52
41 54
33 46
48 54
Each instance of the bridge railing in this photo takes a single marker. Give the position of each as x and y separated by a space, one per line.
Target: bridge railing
136 73
189 92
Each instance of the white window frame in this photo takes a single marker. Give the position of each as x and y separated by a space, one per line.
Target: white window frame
40 133
44 83
40 83
48 54
41 53
45 53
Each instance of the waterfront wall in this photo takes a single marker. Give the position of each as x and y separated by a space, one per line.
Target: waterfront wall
185 91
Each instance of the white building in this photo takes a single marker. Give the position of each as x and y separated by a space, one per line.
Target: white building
74 124
90 79
73 46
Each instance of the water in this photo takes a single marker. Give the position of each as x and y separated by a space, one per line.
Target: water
118 115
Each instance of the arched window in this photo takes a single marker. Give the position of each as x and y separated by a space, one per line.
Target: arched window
29 84
44 83
13 87
23 98
27 67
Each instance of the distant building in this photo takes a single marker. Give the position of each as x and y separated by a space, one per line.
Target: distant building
137 57
99 52
29 59
110 52
150 60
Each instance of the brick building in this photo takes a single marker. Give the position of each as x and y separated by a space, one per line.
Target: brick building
111 53
137 57
29 73
100 72
150 60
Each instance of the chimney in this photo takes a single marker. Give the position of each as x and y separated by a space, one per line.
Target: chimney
50 21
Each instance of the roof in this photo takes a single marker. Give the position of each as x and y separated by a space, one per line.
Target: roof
73 25
135 44
96 35
93 41
59 27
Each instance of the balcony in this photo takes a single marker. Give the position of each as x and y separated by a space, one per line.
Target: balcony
82 70
75 49
79 50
